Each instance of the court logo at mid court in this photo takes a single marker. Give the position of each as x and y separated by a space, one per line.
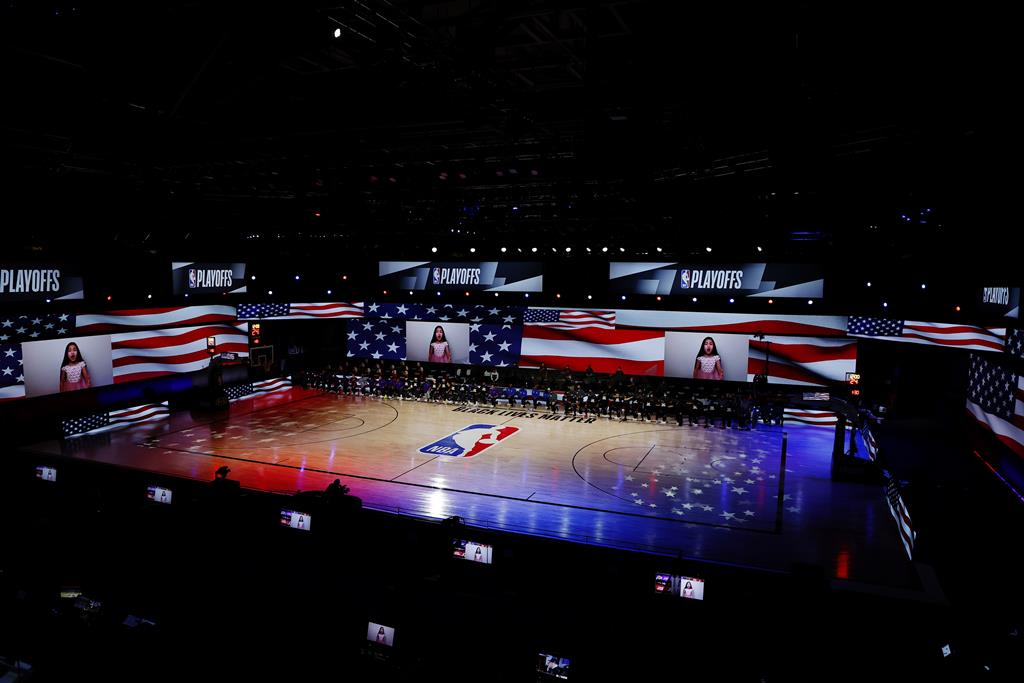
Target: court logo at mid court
469 441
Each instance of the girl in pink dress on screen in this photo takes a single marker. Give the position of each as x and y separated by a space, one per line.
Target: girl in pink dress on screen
708 364
439 351
73 372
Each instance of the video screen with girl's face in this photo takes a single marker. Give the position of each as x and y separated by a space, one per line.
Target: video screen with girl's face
698 355
472 551
159 494
378 633
437 342
296 520
680 586
46 473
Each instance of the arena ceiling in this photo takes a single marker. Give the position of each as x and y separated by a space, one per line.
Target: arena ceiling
858 132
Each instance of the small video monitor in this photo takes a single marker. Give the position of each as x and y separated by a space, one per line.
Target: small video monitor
159 494
295 519
472 551
46 473
552 666
688 587
378 633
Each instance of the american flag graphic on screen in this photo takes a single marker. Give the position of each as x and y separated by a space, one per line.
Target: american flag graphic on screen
899 512
35 327
116 419
311 311
12 375
995 398
376 338
802 360
951 335
569 319
154 353
142 318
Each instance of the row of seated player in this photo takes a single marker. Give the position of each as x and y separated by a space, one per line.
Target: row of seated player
667 400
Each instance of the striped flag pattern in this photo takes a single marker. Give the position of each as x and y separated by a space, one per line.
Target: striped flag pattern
154 353
736 323
937 334
637 352
802 360
995 398
870 442
569 319
144 318
116 419
898 510
309 311
248 390
817 418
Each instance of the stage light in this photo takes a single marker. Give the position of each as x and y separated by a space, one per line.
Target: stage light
658 249
47 301
622 249
708 249
923 286
186 295
328 292
252 277
385 292
472 250
658 298
149 296
439 293
588 250
495 294
957 309
534 250
433 250
732 301
558 296
344 277
623 297
296 277
503 250
515 208
316 214
337 33
759 250
604 249
589 297
568 249
771 301
694 299
466 293
270 292
810 301
869 283
109 297
527 295
885 304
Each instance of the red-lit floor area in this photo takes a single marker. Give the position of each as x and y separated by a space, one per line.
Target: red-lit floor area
709 493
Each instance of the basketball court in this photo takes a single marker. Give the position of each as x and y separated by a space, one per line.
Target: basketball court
723 495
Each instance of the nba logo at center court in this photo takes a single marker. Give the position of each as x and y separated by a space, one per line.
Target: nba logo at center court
469 441
684 278
437 276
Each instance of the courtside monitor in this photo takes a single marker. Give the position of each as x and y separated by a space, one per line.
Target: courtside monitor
380 634
46 473
296 520
687 587
159 494
472 551
552 666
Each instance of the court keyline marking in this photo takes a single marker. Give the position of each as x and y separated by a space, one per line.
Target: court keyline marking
770 532
304 443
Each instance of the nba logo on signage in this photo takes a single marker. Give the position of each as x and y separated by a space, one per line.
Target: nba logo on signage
684 279
437 276
192 278
469 441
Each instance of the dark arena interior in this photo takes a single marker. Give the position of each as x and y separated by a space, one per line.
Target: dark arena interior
712 370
